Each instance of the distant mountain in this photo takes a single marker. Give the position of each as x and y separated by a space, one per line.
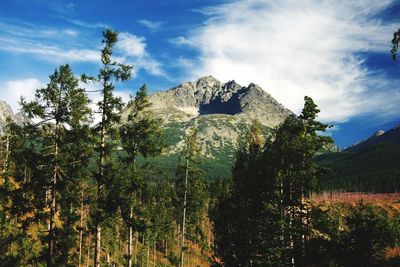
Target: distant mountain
222 112
392 136
208 96
372 165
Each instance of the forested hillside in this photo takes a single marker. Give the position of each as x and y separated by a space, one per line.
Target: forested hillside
369 166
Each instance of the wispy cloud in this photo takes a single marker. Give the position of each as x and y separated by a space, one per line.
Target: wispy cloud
70 45
50 52
153 26
60 45
297 48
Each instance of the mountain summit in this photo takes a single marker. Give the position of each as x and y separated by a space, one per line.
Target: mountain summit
207 96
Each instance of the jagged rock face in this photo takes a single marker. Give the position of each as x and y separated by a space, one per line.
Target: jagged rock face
6 112
209 96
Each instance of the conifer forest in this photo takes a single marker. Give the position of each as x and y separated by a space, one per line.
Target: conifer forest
79 187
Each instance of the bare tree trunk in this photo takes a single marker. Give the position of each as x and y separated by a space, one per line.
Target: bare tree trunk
184 213
97 247
53 202
5 157
291 213
130 241
148 252
136 246
88 252
81 231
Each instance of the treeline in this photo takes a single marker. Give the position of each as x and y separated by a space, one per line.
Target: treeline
374 169
71 192
266 218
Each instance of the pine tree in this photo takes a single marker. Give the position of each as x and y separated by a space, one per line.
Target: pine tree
141 134
191 195
109 109
297 141
264 219
59 108
247 219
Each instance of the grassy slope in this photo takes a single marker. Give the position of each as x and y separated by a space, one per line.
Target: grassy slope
218 160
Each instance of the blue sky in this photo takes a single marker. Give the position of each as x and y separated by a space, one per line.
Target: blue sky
334 51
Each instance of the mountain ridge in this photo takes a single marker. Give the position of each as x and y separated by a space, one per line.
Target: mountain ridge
391 136
207 96
368 166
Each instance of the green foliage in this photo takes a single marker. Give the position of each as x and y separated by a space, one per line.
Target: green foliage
106 132
261 221
189 179
351 236
374 169
62 112
369 234
142 133
395 43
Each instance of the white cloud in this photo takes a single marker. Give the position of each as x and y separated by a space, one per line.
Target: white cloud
11 91
153 26
53 53
131 44
297 48
134 52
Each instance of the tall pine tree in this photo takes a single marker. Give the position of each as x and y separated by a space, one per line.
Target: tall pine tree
109 109
141 134
59 108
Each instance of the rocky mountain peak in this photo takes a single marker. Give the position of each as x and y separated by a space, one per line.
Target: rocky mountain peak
207 96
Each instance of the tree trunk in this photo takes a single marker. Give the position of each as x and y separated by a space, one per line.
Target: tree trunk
53 202
81 231
5 157
136 246
88 252
154 254
184 213
148 252
97 247
130 241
